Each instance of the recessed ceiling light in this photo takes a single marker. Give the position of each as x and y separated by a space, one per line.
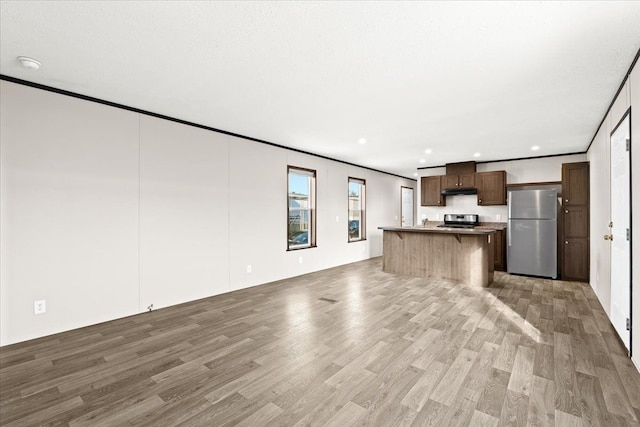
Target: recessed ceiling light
423 161
362 141
29 63
535 148
415 174
427 151
476 154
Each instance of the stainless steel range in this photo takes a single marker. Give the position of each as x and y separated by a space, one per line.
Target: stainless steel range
460 221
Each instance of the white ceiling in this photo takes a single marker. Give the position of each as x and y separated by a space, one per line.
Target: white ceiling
453 77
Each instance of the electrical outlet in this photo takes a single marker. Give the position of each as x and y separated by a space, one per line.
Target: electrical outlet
396 216
337 218
300 260
498 217
39 306
249 268
437 216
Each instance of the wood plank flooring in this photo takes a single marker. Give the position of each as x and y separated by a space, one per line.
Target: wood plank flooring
347 346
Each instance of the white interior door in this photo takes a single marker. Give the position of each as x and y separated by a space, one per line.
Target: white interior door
621 230
407 206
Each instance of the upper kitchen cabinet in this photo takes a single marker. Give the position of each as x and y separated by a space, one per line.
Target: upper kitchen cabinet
430 189
460 175
575 183
459 181
492 188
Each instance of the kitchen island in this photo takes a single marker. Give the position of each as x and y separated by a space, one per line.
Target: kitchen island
464 255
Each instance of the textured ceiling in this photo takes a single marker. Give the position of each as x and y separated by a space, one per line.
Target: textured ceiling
453 77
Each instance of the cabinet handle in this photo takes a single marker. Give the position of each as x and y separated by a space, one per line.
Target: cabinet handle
566 211
566 200
608 237
479 200
566 242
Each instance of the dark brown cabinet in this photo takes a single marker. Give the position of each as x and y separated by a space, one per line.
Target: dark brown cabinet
574 246
460 175
499 245
430 188
576 221
575 184
492 188
459 181
461 168
576 259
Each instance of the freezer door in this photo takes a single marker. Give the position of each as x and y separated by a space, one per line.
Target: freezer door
532 247
533 204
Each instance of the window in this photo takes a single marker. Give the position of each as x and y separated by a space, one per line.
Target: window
357 224
301 208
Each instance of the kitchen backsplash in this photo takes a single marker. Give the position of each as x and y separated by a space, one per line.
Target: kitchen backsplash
463 205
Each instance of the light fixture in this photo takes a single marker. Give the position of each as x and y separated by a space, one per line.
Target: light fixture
427 151
423 161
415 174
29 63
362 141
476 154
535 148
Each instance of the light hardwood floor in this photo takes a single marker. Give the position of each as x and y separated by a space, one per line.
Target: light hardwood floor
346 346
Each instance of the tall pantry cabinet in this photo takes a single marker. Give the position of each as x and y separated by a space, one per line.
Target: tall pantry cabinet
575 221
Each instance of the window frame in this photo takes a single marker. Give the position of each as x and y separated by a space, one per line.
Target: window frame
363 209
312 173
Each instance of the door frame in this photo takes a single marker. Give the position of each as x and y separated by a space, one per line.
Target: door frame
413 203
615 128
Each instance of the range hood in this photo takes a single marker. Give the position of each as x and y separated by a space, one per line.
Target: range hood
458 191
460 179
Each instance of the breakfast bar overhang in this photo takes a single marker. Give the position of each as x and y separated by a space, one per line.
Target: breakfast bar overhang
463 255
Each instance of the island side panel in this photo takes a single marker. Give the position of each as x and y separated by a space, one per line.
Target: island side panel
462 257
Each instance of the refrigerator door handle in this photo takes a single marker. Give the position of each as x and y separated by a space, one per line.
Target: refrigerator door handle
509 235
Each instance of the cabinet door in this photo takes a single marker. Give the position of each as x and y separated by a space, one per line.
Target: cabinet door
430 191
492 189
576 221
449 181
575 262
462 168
467 180
575 183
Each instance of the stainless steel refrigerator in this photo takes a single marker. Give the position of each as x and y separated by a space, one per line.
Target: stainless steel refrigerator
532 231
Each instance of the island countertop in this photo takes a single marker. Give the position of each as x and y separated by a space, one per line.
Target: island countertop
436 229
461 254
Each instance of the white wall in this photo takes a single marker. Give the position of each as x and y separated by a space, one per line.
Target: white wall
599 158
69 218
634 101
184 213
106 211
518 172
600 254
